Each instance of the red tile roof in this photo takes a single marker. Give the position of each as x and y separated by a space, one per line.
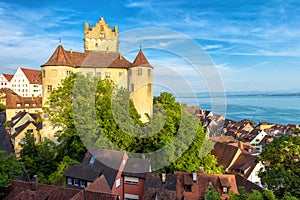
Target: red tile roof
62 57
141 60
33 76
202 183
8 76
99 185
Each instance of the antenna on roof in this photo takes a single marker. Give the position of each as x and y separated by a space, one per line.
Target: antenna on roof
59 40
140 47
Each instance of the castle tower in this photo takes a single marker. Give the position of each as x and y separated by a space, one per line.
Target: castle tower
140 79
100 37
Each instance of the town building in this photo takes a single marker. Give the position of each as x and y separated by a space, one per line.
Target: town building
117 173
5 80
27 83
20 124
15 103
102 59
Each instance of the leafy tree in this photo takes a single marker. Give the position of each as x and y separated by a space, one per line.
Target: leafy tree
2 107
10 169
212 194
282 166
95 113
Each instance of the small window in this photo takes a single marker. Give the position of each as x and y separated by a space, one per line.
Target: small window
98 74
149 87
26 104
68 73
49 88
18 104
30 131
149 72
92 160
82 183
225 190
69 181
118 182
121 72
139 71
131 180
188 188
107 74
96 45
76 182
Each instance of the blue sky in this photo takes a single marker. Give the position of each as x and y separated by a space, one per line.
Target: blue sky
255 45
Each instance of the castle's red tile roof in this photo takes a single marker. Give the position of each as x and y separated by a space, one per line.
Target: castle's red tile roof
33 76
8 76
141 60
61 57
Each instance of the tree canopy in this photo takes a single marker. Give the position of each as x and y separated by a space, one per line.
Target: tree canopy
282 166
96 113
10 168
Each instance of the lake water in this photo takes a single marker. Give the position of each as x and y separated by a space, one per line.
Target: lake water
281 108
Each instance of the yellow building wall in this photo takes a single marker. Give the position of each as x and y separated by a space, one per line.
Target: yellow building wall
100 37
17 146
142 91
52 75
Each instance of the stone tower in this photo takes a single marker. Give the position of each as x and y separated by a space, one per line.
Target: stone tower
140 84
100 37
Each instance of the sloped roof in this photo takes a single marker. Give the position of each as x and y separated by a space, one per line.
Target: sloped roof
23 126
20 190
224 153
245 162
141 60
203 182
61 57
99 185
33 76
155 188
107 163
248 185
136 167
8 76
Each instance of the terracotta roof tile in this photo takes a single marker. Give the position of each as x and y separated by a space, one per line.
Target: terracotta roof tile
99 185
141 60
33 76
8 76
62 57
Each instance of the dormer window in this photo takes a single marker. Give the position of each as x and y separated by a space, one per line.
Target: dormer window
92 160
188 188
225 190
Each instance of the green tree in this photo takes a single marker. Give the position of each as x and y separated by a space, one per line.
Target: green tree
212 194
2 107
282 166
10 169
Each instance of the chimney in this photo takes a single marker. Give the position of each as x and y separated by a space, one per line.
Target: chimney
201 170
35 183
163 176
194 176
71 51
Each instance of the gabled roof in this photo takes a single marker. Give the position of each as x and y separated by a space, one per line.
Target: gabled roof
8 76
59 58
20 190
62 57
33 76
141 60
22 127
99 185
107 162
248 185
244 164
225 153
